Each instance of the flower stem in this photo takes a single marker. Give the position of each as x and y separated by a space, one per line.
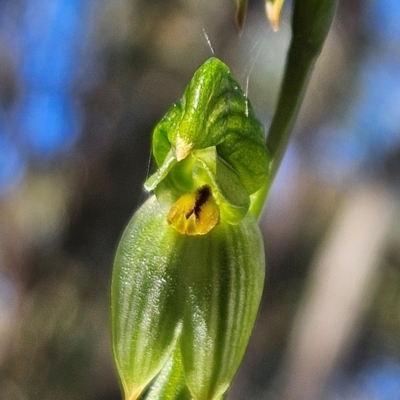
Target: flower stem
311 21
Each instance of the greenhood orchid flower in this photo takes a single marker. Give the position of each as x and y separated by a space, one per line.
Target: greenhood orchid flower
189 270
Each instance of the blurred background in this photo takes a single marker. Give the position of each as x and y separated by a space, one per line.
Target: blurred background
82 84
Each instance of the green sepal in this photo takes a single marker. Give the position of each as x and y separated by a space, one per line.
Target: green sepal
144 283
170 383
197 293
223 281
213 113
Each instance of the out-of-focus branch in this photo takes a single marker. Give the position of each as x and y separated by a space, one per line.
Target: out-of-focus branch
340 287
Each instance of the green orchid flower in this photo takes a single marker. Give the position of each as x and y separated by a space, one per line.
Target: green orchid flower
189 270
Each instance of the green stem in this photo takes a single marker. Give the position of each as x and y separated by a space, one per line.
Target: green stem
311 21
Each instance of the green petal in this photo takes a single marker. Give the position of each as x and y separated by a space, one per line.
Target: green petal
145 321
161 144
227 187
223 283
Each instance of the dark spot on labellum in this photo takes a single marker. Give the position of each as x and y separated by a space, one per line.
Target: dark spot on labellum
202 195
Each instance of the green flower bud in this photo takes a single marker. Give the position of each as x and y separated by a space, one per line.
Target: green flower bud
196 293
